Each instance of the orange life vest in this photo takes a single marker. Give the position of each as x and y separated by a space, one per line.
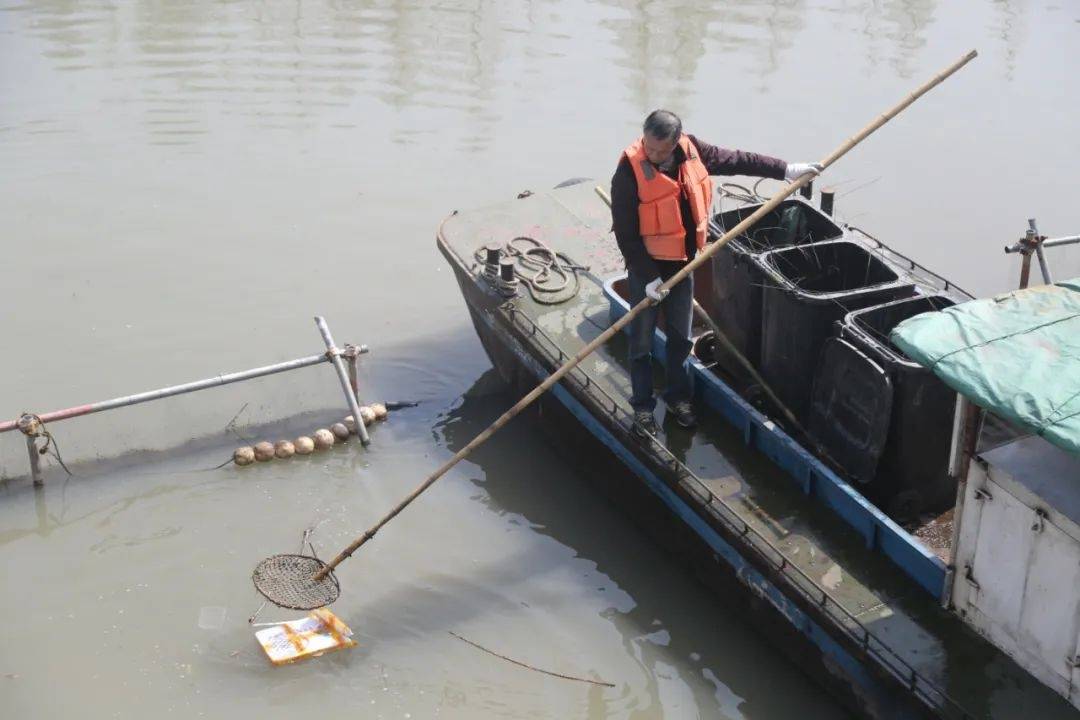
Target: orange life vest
659 211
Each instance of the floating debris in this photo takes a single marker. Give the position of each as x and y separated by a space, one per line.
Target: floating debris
323 439
244 455
284 449
320 632
264 451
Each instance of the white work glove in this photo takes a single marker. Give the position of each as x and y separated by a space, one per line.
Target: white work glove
796 170
653 291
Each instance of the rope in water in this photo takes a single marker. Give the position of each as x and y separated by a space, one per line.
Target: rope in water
530 667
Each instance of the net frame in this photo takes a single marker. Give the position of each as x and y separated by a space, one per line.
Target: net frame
286 580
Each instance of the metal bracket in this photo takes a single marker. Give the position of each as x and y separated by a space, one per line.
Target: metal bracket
983 494
1043 267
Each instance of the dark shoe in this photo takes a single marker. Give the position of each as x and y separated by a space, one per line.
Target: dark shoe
645 424
684 413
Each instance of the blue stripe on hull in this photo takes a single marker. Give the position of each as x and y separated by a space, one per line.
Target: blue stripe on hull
839 662
816 480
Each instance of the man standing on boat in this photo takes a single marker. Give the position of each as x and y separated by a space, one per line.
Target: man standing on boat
661 198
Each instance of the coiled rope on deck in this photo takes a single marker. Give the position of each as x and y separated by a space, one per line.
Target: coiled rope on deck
551 276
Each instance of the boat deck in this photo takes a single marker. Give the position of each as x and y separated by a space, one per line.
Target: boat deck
871 589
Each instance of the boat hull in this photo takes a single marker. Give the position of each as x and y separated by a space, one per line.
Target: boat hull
644 490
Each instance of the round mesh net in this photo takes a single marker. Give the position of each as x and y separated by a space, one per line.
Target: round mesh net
287 581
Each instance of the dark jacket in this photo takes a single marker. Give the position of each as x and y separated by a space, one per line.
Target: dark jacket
624 202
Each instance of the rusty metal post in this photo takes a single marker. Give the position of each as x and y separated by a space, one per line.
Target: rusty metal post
828 195
968 425
1025 266
35 466
1043 267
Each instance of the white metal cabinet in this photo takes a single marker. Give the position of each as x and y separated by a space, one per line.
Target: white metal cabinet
1017 576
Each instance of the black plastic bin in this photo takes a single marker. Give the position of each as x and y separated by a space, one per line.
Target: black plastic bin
913 471
807 289
735 300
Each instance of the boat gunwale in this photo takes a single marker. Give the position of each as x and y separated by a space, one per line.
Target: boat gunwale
687 483
689 488
917 561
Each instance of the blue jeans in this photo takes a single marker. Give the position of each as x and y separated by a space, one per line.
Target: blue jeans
678 312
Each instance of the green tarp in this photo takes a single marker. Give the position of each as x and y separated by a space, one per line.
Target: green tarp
1017 355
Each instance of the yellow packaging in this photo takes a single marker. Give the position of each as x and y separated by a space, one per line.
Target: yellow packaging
320 632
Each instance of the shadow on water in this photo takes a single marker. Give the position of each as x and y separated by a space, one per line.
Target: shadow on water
665 612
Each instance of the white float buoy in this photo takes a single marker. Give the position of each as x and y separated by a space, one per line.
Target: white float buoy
243 455
367 414
304 445
380 411
264 451
340 431
284 449
323 439
350 422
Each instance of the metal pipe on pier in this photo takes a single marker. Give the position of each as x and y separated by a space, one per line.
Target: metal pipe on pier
126 400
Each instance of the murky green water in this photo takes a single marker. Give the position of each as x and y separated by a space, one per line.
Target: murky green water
185 184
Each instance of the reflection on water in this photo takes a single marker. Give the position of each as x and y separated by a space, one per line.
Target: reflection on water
662 43
1009 26
281 65
895 32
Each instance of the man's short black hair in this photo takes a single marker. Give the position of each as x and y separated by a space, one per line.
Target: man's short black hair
663 125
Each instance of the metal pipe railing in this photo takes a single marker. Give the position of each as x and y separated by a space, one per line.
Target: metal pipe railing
128 400
30 423
1049 242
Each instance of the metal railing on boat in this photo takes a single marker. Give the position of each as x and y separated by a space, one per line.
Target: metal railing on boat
887 658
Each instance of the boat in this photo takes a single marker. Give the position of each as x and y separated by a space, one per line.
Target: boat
830 536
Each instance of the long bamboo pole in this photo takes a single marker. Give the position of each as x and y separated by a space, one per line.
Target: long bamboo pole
674 280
